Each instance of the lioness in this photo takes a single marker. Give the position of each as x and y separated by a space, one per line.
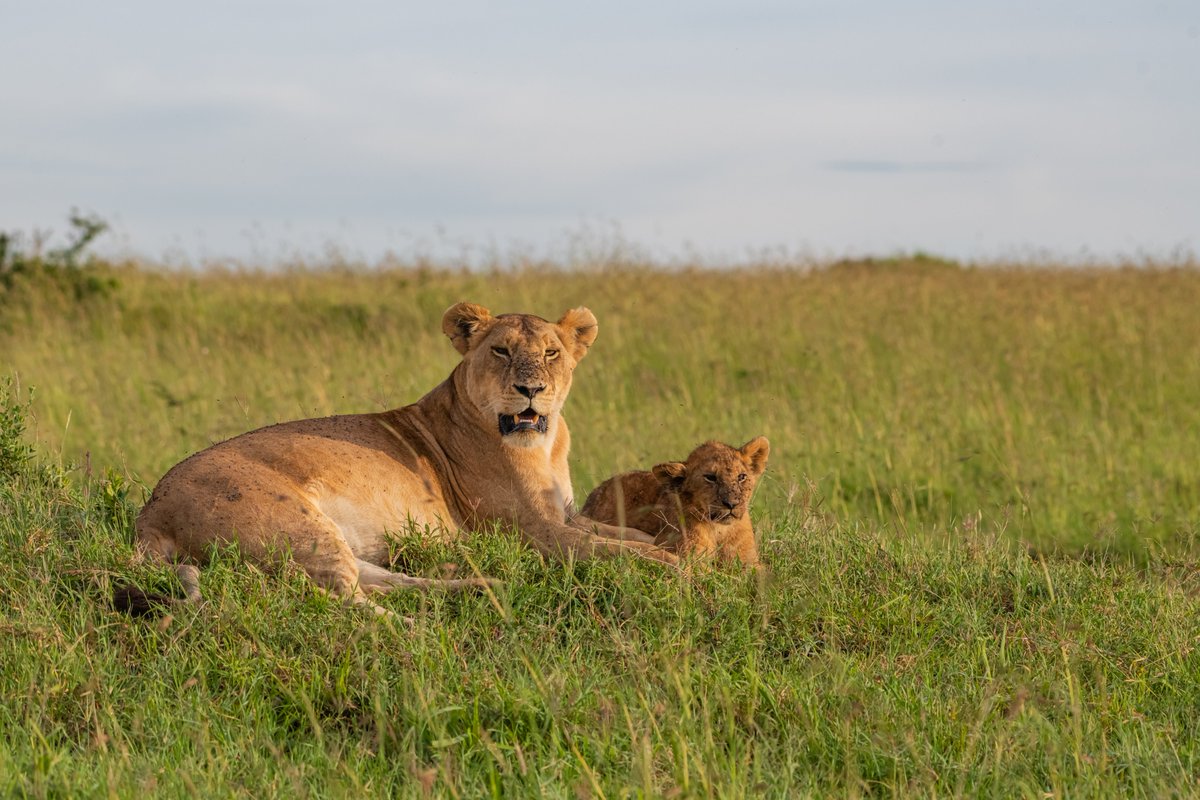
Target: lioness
489 444
697 507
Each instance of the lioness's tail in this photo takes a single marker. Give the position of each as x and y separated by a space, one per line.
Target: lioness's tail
138 603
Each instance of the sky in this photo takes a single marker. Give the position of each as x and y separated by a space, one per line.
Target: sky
271 131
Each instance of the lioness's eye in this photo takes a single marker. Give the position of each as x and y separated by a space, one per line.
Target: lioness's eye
551 355
741 477
501 351
711 478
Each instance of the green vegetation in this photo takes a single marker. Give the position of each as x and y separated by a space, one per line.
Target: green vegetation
67 267
981 514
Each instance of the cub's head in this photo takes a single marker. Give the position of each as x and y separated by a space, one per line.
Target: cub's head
517 366
716 481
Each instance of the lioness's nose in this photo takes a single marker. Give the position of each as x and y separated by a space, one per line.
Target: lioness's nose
529 391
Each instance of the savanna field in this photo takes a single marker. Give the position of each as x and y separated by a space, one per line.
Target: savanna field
981 518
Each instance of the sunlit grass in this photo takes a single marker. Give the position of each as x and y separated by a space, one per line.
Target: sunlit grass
915 395
980 518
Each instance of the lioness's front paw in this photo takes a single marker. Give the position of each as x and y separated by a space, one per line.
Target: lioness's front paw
660 555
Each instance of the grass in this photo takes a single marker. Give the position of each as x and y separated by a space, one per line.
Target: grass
981 518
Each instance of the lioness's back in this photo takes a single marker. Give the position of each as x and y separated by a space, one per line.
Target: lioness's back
247 487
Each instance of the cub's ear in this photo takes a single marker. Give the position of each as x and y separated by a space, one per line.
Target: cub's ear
462 322
671 473
755 452
578 330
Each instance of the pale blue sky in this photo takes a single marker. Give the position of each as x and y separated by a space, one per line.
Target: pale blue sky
261 129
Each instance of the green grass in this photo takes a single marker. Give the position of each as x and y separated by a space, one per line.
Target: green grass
981 518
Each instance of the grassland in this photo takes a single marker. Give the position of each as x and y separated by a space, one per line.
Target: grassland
981 514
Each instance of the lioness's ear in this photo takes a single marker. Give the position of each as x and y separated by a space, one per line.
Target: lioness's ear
464 321
671 473
578 328
755 452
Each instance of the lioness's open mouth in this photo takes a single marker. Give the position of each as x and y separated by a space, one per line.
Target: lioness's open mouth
527 420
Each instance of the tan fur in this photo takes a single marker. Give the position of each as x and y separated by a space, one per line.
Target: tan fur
698 507
327 492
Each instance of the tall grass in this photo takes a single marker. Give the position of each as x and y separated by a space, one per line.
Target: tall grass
915 395
980 517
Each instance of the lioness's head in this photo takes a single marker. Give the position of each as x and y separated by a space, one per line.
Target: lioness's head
518 366
717 481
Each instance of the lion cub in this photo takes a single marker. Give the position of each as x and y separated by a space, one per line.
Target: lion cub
699 506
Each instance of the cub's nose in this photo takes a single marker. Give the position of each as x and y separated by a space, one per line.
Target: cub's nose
730 504
529 391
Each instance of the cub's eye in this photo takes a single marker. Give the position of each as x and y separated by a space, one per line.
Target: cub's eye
551 355
711 478
502 352
741 477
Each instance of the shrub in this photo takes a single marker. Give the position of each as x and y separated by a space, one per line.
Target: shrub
15 452
74 272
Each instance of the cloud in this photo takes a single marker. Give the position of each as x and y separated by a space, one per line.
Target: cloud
880 166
